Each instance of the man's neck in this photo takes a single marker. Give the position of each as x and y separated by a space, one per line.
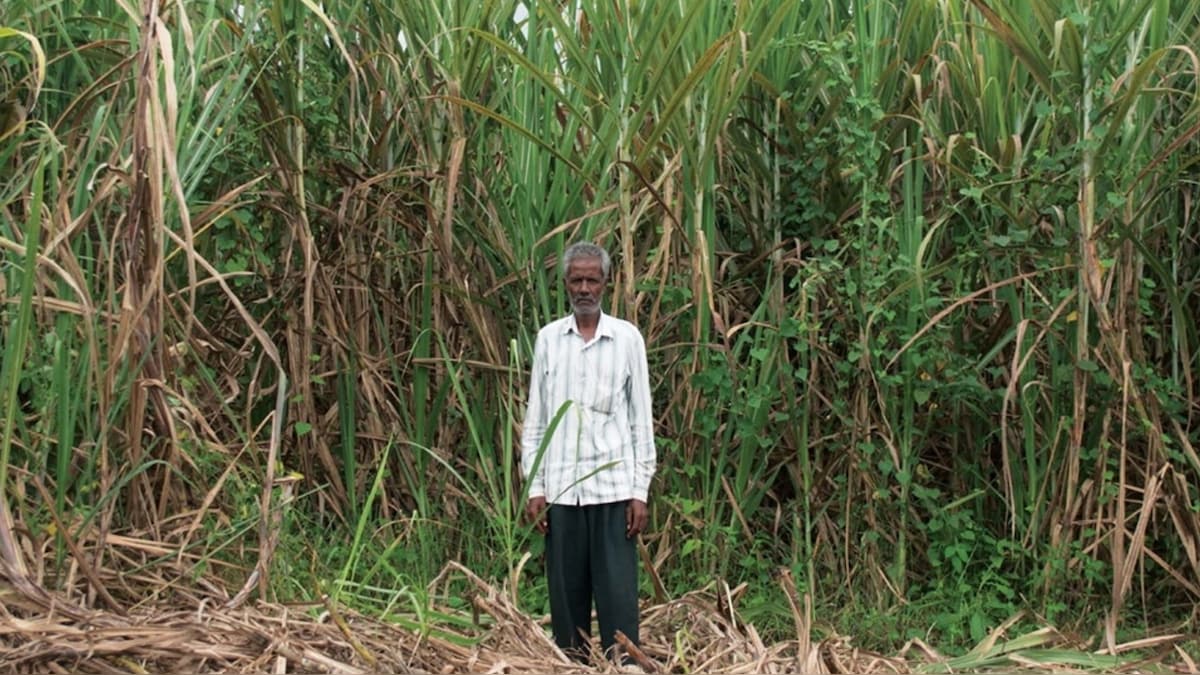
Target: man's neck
586 324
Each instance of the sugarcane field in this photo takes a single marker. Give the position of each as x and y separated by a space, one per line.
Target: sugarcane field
600 336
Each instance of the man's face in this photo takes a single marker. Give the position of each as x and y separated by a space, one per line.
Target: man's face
585 285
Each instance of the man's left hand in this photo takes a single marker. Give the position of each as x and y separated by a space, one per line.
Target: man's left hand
636 518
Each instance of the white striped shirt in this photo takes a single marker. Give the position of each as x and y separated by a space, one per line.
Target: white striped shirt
603 447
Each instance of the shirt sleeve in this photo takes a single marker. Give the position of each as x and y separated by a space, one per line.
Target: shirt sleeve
641 419
533 429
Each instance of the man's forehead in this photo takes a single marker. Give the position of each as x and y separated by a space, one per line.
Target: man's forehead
581 265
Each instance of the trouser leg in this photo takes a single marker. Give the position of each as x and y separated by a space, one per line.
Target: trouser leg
614 574
568 572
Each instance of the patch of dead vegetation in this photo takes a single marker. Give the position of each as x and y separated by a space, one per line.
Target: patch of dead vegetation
41 632
184 624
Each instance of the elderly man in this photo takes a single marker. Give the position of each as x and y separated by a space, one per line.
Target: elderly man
588 487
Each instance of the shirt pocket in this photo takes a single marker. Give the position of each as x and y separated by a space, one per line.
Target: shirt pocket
608 395
604 402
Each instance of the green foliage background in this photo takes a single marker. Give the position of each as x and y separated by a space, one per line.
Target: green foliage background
918 279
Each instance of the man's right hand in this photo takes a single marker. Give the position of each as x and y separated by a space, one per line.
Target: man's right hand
535 511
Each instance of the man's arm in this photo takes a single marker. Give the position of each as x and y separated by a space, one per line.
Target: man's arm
533 428
641 420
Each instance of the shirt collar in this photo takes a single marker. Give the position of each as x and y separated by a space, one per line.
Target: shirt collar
603 326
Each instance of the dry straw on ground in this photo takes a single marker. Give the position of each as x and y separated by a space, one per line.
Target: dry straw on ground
41 633
189 624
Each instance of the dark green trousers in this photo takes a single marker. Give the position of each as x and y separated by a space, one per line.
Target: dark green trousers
589 558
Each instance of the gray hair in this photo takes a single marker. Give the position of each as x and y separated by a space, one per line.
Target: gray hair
585 250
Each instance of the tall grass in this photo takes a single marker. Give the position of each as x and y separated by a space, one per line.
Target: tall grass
916 280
